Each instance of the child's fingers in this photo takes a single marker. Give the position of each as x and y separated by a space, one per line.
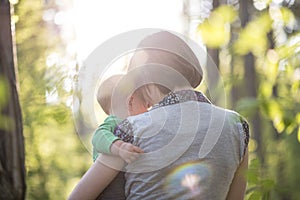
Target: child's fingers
137 149
131 148
131 157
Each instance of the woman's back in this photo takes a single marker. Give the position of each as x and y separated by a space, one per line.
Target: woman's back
192 150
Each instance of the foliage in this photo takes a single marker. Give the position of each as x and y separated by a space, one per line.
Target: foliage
259 187
254 39
54 155
5 121
215 30
271 37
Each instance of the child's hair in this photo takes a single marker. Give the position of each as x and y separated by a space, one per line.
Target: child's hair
105 92
139 82
152 93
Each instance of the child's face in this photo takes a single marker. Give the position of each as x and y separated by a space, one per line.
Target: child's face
136 106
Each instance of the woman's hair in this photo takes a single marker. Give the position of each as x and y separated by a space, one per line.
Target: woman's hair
171 56
105 92
163 62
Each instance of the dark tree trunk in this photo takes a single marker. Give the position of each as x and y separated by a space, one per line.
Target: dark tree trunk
212 62
251 81
234 92
12 167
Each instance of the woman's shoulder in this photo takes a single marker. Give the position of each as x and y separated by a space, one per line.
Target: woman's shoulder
232 116
243 130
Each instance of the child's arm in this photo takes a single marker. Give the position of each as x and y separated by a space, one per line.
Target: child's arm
104 141
127 151
95 180
103 136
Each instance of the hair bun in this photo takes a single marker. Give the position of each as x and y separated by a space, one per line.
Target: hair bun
168 49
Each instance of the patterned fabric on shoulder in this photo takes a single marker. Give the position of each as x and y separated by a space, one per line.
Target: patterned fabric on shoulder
182 96
124 131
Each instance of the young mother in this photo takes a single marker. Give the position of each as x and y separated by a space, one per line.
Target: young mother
193 149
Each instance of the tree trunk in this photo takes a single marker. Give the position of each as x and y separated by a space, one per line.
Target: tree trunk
213 78
12 167
251 81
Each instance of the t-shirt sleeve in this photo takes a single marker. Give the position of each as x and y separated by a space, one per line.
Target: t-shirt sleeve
124 131
243 128
103 136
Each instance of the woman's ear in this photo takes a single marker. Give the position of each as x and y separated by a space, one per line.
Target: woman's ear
148 105
130 103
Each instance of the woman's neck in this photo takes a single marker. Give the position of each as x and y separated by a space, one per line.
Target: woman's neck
176 89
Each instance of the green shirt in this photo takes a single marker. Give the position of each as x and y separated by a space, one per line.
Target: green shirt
104 137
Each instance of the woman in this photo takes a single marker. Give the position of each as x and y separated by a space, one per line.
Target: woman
193 149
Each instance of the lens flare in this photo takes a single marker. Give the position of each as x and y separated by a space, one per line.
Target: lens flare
188 181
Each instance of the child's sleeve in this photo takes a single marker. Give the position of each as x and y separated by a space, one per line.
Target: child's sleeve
103 136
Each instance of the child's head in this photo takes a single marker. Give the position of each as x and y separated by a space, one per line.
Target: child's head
150 94
115 97
105 92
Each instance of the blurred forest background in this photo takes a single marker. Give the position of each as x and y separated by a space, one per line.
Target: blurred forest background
255 45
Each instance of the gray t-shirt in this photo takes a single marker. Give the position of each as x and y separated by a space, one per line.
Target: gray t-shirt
192 149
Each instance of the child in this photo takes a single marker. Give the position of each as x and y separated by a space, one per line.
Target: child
100 174
104 141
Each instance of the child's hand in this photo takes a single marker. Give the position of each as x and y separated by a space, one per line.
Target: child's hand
128 152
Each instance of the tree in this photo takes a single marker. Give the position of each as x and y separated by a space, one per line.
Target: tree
12 164
55 157
261 63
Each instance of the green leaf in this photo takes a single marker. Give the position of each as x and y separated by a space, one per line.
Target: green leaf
298 134
265 89
253 172
256 195
268 184
288 17
254 39
4 93
276 114
247 106
291 128
215 31
228 13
